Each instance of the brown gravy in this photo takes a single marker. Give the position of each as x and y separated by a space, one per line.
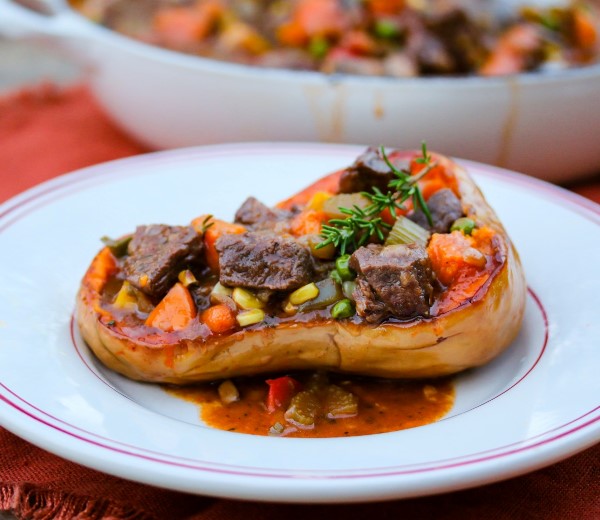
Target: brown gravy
383 406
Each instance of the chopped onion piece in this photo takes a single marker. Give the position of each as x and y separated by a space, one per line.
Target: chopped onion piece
228 393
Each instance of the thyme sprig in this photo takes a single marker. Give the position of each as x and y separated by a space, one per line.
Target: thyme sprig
405 185
354 230
363 223
207 222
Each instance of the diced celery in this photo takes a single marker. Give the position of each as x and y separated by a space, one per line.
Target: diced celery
405 231
340 403
303 409
329 293
348 289
277 429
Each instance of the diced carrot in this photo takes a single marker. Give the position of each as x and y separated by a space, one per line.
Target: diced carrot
451 254
511 52
318 200
328 184
103 266
387 216
483 239
281 391
308 222
430 186
175 311
212 229
441 176
584 31
292 34
184 25
320 17
501 62
466 287
239 36
463 263
358 42
218 318
386 7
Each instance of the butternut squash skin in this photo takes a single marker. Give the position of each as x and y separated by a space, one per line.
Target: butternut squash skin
468 336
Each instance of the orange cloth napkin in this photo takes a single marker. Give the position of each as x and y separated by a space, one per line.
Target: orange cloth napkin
47 132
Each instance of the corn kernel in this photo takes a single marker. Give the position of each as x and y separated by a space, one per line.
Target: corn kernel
221 290
318 199
290 308
187 278
246 300
305 293
125 298
250 317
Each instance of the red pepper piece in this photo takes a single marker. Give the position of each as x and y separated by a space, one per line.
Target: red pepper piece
281 391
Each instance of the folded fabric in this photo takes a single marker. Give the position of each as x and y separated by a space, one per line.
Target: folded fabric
46 132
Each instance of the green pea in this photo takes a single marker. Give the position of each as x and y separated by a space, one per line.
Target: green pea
342 309
335 276
318 47
464 224
386 29
341 264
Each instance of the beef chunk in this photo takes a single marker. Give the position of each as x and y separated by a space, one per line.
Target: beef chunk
368 171
461 40
444 207
255 214
157 254
258 260
433 57
393 281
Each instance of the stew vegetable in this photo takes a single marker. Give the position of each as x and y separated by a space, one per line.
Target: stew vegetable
399 38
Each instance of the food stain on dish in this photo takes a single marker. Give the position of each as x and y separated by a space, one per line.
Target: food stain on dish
327 105
341 406
378 105
510 123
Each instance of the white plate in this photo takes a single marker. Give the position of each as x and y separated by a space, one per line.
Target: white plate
535 405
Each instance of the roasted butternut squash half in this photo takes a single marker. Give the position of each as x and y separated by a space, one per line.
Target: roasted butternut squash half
394 267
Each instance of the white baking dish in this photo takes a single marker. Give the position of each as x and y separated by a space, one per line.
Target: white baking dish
543 124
